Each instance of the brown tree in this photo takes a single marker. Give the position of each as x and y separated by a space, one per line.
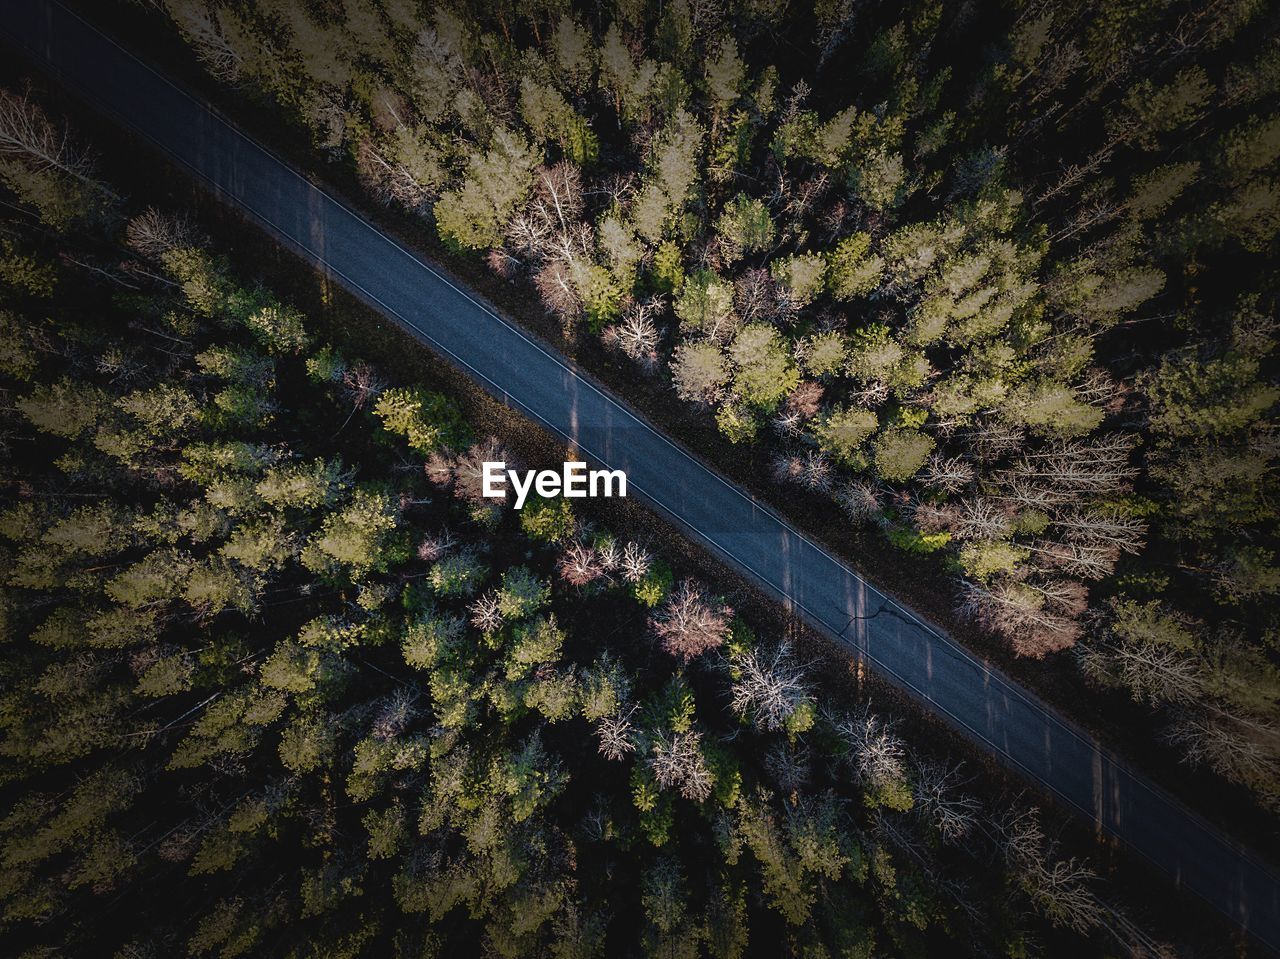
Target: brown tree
689 622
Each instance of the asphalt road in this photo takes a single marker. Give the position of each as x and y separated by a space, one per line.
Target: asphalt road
1000 715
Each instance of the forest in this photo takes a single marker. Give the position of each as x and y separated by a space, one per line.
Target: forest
998 279
279 680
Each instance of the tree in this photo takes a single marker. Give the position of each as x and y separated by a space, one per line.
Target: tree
65 408
1149 110
763 373
279 328
725 74
852 271
744 227
531 644
669 932
705 305
551 118
1191 398
841 431
548 520
575 53
700 371
878 757
1246 573
824 354
428 421
671 171
405 167
880 179
874 356
356 539
304 486
522 594
795 850
475 214
41 165
459 574
770 690
899 453
801 278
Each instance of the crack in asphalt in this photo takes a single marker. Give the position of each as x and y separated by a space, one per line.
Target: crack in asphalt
885 606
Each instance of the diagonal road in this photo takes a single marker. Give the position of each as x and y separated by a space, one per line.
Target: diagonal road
1005 719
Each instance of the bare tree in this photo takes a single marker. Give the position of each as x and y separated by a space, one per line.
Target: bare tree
206 35
808 195
395 713
27 132
1097 467
876 752
1088 561
635 333
152 233
861 501
790 767
557 196
1153 673
789 424
806 399
615 734
580 564
990 439
815 472
610 555
1066 596
1243 750
468 470
552 236
768 686
486 612
440 467
1028 494
953 813
932 517
786 467
433 547
555 285
982 519
689 622
1059 888
1103 528
870 395
391 181
635 562
1099 388
1019 614
362 383
755 297
677 762
502 263
595 823
948 474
